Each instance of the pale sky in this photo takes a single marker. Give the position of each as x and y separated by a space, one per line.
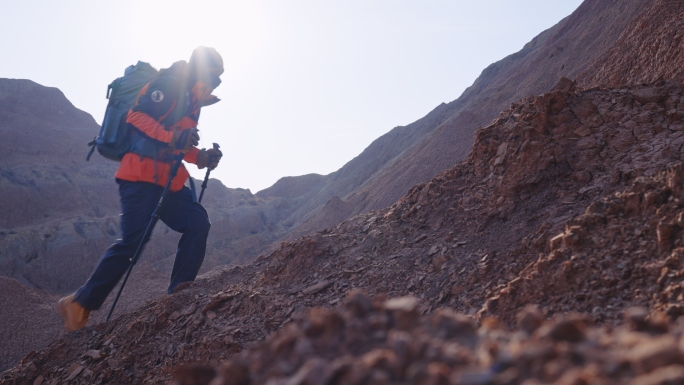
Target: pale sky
308 84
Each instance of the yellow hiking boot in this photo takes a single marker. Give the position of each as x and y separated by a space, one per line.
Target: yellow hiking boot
75 315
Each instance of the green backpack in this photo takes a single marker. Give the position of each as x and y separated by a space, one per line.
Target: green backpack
114 139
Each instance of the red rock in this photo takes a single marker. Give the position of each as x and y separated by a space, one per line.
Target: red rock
670 375
657 353
530 319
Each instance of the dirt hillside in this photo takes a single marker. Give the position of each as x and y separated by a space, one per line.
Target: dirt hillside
457 241
570 201
650 49
380 342
18 335
625 250
414 154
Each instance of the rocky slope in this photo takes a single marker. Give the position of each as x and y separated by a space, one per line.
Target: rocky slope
635 260
365 342
603 43
55 206
60 213
414 154
493 231
28 320
649 49
463 240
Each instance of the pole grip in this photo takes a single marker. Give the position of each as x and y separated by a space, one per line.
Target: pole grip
206 176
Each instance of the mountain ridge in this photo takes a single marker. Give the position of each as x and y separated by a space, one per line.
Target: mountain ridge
450 139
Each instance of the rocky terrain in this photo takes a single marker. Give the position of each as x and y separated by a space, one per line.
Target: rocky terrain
414 154
366 342
59 212
570 200
23 304
654 42
635 260
548 177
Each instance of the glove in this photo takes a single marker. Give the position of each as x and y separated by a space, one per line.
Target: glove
209 158
184 140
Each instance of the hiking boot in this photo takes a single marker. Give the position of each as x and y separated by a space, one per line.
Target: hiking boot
75 315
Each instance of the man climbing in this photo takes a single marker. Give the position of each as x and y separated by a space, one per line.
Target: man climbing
163 123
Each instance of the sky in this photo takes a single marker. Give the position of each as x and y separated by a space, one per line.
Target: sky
308 84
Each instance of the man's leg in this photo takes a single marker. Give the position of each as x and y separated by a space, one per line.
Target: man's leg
138 201
190 219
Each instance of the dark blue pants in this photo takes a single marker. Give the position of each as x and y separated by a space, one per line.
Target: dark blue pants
138 201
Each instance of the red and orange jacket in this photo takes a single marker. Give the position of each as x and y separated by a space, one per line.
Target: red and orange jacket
163 106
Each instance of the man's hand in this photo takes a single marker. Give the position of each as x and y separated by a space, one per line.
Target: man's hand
209 158
184 140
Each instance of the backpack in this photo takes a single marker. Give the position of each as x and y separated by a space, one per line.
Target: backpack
114 139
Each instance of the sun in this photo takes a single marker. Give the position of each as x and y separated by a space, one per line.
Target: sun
165 31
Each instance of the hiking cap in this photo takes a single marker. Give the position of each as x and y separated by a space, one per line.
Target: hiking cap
206 65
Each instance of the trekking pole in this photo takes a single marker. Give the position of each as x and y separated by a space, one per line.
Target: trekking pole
148 230
206 177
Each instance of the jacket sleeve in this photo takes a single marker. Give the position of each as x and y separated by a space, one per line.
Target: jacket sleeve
157 101
149 126
191 156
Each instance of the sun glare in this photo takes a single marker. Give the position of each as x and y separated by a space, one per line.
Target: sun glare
167 31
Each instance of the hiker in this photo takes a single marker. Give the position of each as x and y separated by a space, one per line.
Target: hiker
164 117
